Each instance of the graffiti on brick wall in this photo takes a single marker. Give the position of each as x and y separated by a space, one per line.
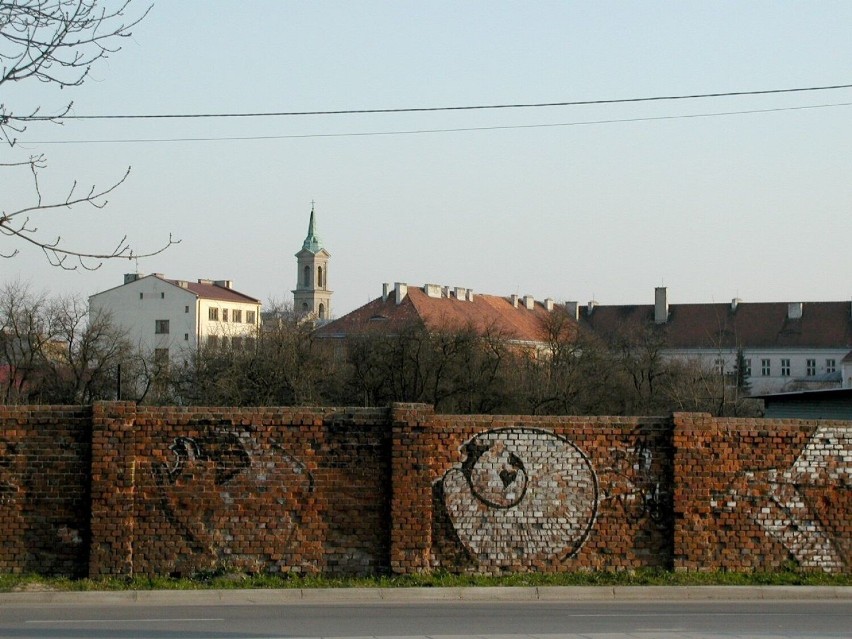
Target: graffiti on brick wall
521 495
236 503
787 503
635 479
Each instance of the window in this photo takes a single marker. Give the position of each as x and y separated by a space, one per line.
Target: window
307 278
141 295
830 366
162 296
322 311
238 316
213 314
747 367
319 277
186 337
719 363
236 342
250 317
186 309
224 314
765 368
810 367
212 341
161 327
249 343
785 368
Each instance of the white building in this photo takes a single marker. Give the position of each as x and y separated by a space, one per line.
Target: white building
170 318
785 346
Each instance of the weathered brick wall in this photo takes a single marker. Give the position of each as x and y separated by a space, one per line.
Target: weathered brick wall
755 494
119 489
45 454
280 490
551 494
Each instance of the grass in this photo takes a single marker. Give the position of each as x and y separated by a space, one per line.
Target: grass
222 581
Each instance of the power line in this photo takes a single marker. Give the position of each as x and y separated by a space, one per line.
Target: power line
446 130
35 118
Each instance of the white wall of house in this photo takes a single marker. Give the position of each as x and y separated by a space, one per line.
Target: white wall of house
804 364
138 307
227 320
846 372
160 315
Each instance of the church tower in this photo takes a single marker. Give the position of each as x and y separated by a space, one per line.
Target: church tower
312 296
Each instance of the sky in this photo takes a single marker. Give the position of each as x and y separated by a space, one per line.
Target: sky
585 202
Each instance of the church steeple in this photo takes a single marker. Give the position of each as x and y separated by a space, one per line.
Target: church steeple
312 242
312 295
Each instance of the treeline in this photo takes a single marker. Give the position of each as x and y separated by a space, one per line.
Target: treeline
54 353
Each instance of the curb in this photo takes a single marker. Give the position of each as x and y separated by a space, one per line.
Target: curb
343 596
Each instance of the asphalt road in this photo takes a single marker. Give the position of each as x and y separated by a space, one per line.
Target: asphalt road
188 615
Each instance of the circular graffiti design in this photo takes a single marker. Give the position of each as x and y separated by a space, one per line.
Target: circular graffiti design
521 495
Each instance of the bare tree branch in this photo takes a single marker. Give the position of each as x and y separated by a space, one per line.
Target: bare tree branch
57 42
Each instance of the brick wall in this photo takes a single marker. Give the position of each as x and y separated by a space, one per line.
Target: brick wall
118 489
756 494
45 458
551 494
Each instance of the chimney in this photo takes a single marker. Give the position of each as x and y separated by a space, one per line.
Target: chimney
515 301
202 281
529 302
548 303
432 290
590 307
385 291
573 309
794 310
132 277
461 293
734 303
470 295
661 305
401 291
183 283
224 283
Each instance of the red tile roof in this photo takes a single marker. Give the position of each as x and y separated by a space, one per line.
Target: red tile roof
212 291
482 313
752 325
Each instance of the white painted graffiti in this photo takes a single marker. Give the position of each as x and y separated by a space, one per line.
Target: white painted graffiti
776 499
521 494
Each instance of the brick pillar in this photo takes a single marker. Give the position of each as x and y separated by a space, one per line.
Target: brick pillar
692 489
411 488
113 465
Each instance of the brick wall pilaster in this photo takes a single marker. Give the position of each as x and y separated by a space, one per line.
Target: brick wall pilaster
692 439
411 488
113 466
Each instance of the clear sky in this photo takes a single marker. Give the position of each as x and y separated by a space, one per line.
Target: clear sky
756 206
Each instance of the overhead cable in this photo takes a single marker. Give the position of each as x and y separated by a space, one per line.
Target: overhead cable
696 96
447 130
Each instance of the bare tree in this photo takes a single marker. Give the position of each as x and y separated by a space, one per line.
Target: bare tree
57 42
24 335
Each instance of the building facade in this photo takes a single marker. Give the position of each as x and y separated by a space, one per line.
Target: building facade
782 346
312 297
170 318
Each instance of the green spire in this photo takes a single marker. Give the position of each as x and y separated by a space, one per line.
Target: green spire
312 242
